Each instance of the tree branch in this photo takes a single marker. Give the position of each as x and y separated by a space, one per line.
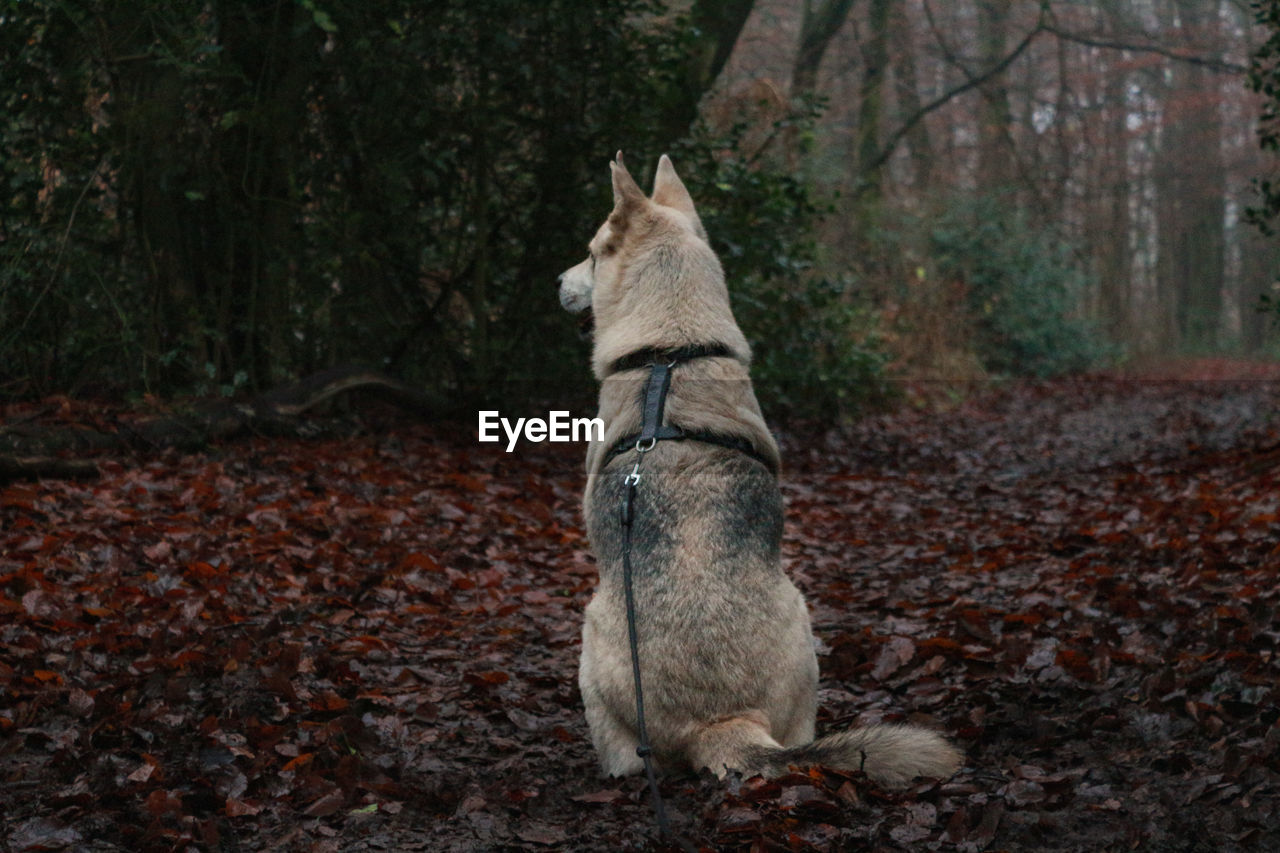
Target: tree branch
1042 26
971 83
1219 65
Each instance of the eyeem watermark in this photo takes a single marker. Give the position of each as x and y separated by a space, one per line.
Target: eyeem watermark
557 427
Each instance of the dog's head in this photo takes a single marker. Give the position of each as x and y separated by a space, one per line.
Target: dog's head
633 220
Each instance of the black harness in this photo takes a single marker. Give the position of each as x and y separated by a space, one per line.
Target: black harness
652 430
660 363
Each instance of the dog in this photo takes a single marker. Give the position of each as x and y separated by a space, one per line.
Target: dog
728 668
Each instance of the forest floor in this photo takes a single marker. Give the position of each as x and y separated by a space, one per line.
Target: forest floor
370 643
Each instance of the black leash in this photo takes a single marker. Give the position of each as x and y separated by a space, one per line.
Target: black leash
654 401
644 750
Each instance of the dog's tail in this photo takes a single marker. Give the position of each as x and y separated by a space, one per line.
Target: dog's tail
890 754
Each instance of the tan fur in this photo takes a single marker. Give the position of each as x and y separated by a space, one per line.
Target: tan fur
727 660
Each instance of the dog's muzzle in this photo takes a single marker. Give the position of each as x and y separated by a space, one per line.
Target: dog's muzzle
586 319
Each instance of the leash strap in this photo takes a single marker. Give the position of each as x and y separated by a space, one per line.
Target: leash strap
651 430
644 750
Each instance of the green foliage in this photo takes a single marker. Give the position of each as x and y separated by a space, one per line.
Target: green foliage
215 195
61 304
1268 304
222 194
1021 287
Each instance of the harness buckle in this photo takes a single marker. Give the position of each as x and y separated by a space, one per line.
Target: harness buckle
641 447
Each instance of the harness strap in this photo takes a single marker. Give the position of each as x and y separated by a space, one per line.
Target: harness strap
675 433
650 356
660 363
655 400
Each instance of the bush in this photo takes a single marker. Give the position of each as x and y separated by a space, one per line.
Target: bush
214 195
201 196
1021 287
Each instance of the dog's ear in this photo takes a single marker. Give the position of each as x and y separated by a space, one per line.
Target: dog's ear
627 195
669 191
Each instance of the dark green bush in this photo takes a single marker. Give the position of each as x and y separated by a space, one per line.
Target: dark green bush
1023 289
217 195
214 195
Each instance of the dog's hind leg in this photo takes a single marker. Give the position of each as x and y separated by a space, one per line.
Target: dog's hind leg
614 740
725 744
797 726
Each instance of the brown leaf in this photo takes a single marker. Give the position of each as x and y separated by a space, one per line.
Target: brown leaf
609 795
240 808
540 832
326 805
143 773
893 656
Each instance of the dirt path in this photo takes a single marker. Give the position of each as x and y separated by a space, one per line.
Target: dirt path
370 644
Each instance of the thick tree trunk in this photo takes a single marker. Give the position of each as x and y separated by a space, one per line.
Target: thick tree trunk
717 24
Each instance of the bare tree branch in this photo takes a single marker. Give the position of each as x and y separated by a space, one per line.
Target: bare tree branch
1042 26
972 82
1220 65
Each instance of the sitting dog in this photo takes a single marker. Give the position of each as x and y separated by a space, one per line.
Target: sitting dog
728 668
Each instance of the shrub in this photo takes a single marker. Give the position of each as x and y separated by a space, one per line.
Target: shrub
1021 287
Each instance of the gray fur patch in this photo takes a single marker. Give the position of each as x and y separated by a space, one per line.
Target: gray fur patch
653 538
746 518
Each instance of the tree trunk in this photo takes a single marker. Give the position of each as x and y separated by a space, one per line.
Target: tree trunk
871 107
919 143
1115 256
818 26
717 25
995 163
1191 190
